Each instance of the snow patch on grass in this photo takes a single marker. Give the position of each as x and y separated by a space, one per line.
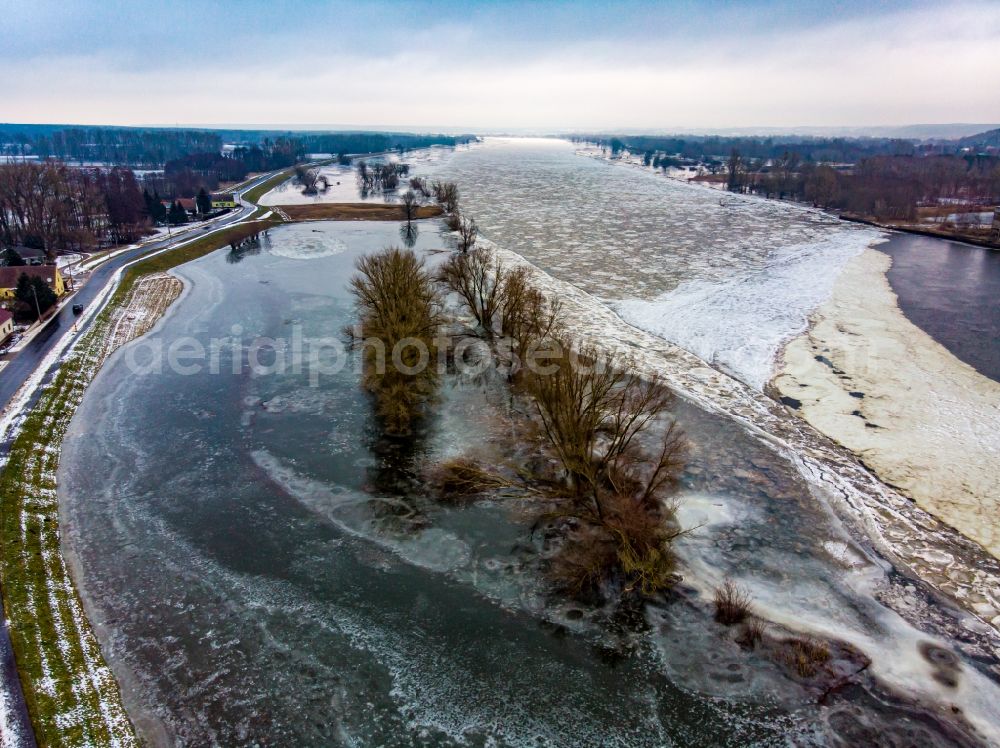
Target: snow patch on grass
72 694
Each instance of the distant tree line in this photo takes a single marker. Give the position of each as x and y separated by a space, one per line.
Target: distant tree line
106 145
818 149
881 187
885 179
51 206
374 142
154 147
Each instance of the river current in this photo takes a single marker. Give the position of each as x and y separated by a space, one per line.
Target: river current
263 568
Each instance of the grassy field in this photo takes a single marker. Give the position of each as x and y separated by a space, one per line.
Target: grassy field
355 212
252 196
72 695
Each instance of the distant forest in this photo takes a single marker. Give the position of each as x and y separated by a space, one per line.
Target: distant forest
177 162
877 178
74 188
808 148
152 148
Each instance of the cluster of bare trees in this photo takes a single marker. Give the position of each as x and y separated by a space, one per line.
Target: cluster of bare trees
606 427
502 301
382 177
614 454
311 180
446 194
614 491
54 207
883 187
419 186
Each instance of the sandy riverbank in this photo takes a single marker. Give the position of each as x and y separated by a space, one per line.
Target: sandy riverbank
924 421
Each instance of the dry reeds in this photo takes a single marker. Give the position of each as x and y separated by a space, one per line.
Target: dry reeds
461 477
806 655
752 632
732 603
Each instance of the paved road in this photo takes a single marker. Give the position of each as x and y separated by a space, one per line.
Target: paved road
15 724
22 364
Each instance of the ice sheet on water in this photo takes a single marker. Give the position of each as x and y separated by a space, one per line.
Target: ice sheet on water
739 323
305 242
727 277
431 548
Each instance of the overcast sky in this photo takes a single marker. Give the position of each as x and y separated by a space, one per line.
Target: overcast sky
496 65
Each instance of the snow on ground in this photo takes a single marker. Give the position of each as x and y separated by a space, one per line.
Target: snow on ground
903 531
922 419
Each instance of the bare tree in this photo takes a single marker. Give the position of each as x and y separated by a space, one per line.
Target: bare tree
446 193
410 205
468 232
399 305
419 184
479 279
526 315
593 413
734 170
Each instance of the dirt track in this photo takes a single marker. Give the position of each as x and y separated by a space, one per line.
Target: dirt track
354 212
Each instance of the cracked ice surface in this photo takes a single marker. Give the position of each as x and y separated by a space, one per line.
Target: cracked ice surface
729 278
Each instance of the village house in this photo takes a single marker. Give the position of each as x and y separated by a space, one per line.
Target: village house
6 325
223 200
49 273
189 204
30 255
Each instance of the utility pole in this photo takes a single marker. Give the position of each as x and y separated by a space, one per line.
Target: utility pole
38 309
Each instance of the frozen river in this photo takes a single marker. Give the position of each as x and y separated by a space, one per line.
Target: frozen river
729 278
263 566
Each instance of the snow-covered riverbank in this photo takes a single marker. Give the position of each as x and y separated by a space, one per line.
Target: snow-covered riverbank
898 529
951 563
924 421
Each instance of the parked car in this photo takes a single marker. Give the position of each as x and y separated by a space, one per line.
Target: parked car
78 309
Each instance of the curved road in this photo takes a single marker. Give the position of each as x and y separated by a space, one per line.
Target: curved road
15 725
24 363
